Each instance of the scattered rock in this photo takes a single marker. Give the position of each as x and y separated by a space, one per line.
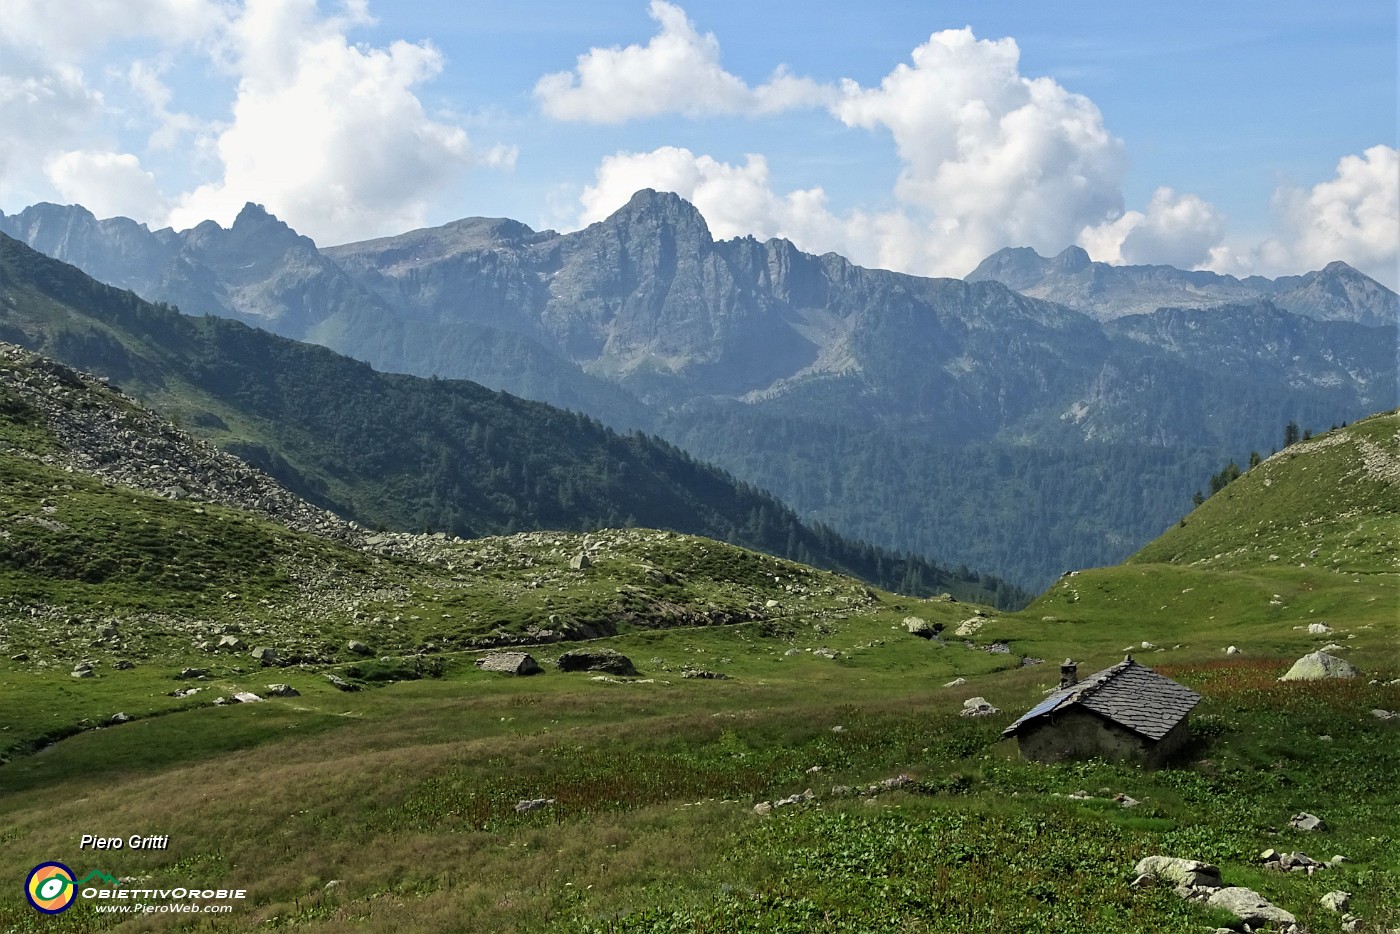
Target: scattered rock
1306 821
187 673
340 682
246 697
704 675
1177 871
580 562
231 644
969 627
1380 714
922 628
1318 629
119 718
1232 650
122 664
766 807
890 784
510 663
978 707
82 670
1318 665
1336 901
282 690
355 647
1249 906
825 652
265 655
21 657
606 660
533 804
955 682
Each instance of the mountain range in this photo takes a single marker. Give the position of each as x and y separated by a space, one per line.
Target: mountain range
1041 415
1336 292
405 453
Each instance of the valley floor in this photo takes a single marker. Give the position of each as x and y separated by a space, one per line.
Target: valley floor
401 807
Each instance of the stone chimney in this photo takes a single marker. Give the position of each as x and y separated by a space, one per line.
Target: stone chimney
1069 674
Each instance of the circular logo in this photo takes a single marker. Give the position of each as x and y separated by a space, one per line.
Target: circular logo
50 888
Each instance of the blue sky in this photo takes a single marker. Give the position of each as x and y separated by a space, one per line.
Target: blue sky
1244 136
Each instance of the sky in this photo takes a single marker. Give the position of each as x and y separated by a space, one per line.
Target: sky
1254 136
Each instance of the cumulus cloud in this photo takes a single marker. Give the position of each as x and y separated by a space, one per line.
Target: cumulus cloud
988 156
678 71
1175 230
330 135
106 183
1354 217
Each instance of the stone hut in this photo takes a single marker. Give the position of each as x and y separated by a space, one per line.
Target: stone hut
1123 712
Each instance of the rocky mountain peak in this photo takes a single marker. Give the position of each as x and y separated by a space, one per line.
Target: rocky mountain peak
255 222
1017 267
1071 259
663 212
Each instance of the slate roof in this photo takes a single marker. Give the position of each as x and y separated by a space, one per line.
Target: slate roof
1128 694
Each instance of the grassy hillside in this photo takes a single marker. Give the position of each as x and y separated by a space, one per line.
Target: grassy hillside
396 807
413 454
1328 502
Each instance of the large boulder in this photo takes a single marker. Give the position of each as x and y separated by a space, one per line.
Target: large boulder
1317 665
510 663
1249 906
1177 871
605 660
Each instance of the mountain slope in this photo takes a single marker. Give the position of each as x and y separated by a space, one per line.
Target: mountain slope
1331 502
645 321
403 452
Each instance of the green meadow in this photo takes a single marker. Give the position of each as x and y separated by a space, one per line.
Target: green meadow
394 805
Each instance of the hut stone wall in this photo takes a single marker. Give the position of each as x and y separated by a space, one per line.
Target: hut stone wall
1079 734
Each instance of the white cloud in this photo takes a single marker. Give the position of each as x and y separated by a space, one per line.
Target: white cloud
106 183
1353 217
989 157
678 71
171 126
330 135
42 107
66 31
1176 230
